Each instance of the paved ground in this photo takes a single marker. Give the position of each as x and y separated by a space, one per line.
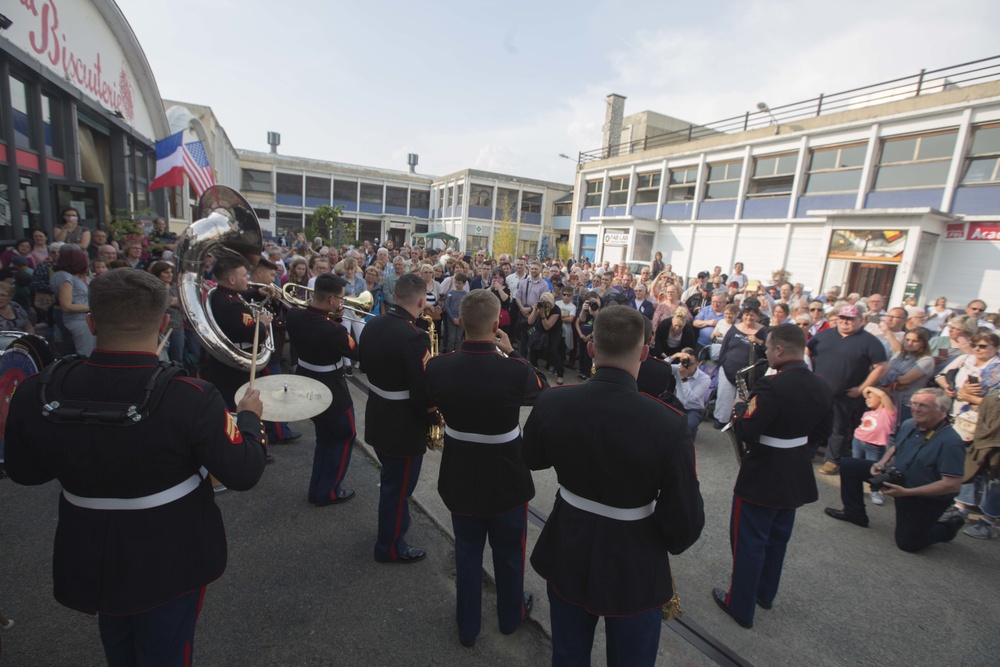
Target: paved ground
302 588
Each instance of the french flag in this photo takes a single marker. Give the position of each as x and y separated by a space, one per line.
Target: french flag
175 159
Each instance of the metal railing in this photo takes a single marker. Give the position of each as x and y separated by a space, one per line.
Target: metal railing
922 83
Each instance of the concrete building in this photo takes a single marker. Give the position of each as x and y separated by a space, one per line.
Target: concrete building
894 188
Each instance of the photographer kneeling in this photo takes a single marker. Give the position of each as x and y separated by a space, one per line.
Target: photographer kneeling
692 387
923 472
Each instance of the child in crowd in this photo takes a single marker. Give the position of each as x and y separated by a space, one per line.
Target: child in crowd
451 304
731 312
875 431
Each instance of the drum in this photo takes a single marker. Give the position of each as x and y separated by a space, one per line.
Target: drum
21 355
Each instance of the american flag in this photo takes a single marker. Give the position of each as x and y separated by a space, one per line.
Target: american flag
196 166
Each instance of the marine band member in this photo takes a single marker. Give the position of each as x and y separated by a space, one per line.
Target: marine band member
323 343
483 479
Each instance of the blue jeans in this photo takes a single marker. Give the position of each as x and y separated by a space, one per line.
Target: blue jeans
866 451
693 420
989 503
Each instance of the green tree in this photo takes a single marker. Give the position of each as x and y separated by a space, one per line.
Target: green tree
506 229
329 224
565 250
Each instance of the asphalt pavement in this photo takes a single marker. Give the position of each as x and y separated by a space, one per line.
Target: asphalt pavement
302 587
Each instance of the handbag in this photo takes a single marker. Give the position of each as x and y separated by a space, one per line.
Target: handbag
965 424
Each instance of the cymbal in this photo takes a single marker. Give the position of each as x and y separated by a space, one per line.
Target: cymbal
289 398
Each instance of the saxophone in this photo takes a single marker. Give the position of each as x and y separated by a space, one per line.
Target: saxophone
745 378
435 433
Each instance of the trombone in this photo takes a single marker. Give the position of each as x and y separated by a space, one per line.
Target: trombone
359 306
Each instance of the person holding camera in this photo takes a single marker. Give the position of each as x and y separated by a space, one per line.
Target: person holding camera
585 331
922 472
545 334
692 387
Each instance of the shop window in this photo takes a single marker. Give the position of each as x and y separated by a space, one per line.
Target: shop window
723 180
835 169
395 197
618 192
682 184
477 242
647 188
420 199
531 202
371 193
594 190
773 175
642 247
317 191
983 163
345 191
255 180
52 126
23 118
915 161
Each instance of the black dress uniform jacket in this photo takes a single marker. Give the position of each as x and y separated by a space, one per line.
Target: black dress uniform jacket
791 404
480 392
393 353
129 561
235 320
655 377
321 340
612 445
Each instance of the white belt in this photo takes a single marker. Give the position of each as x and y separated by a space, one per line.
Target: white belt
783 443
390 395
320 369
482 438
143 503
619 513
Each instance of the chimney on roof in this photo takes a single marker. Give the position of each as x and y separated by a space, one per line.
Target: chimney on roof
412 159
274 140
613 124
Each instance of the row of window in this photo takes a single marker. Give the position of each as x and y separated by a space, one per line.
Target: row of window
920 161
319 189
482 196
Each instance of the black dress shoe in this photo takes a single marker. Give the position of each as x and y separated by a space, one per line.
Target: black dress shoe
342 497
269 458
764 605
718 425
467 643
407 555
841 515
719 596
290 437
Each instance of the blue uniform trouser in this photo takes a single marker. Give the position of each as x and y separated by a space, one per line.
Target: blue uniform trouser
398 478
162 636
758 536
335 435
507 535
632 641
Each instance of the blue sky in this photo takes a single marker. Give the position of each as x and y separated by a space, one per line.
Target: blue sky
507 86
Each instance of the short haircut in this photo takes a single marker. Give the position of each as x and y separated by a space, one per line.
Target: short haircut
72 261
460 278
227 264
781 306
791 338
983 337
350 263
409 288
941 399
263 263
647 325
329 285
128 301
478 311
619 331
732 308
158 267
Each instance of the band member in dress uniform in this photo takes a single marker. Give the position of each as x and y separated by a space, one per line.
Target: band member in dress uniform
323 341
628 496
785 413
136 493
655 375
399 412
483 479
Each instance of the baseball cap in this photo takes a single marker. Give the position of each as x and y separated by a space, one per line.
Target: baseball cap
703 274
848 312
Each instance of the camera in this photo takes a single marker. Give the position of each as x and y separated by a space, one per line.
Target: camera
890 474
594 304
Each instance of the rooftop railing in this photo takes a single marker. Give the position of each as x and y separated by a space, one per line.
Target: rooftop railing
922 83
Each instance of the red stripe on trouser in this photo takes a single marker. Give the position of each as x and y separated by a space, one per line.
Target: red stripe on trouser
736 535
197 613
399 508
343 457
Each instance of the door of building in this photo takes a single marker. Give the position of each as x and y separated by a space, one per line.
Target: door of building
397 236
868 278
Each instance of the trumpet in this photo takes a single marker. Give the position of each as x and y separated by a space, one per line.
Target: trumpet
359 306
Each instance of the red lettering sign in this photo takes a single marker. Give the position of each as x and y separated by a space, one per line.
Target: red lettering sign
955 231
984 231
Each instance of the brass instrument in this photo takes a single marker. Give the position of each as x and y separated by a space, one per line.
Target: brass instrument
435 433
360 306
745 378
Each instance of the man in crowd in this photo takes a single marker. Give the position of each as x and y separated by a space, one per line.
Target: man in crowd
709 316
696 286
850 360
876 308
161 239
397 270
692 387
485 277
484 481
128 512
529 291
893 323
322 342
520 271
642 303
930 455
976 309
398 413
620 501
786 412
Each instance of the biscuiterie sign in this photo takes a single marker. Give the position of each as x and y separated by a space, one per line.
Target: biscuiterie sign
983 231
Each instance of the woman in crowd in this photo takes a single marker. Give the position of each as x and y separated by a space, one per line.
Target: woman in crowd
545 334
297 274
910 368
669 302
22 248
175 333
12 316
133 255
675 334
742 346
433 305
805 321
70 287
938 315
975 373
780 314
71 230
508 307
39 247
355 282
373 284
657 268
954 340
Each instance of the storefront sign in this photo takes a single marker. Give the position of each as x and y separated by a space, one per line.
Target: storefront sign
955 230
399 225
616 238
984 231
884 245
73 40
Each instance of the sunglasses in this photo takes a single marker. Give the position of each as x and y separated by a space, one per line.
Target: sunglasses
815 310
981 346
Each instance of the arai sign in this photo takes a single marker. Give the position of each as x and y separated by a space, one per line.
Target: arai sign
984 231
